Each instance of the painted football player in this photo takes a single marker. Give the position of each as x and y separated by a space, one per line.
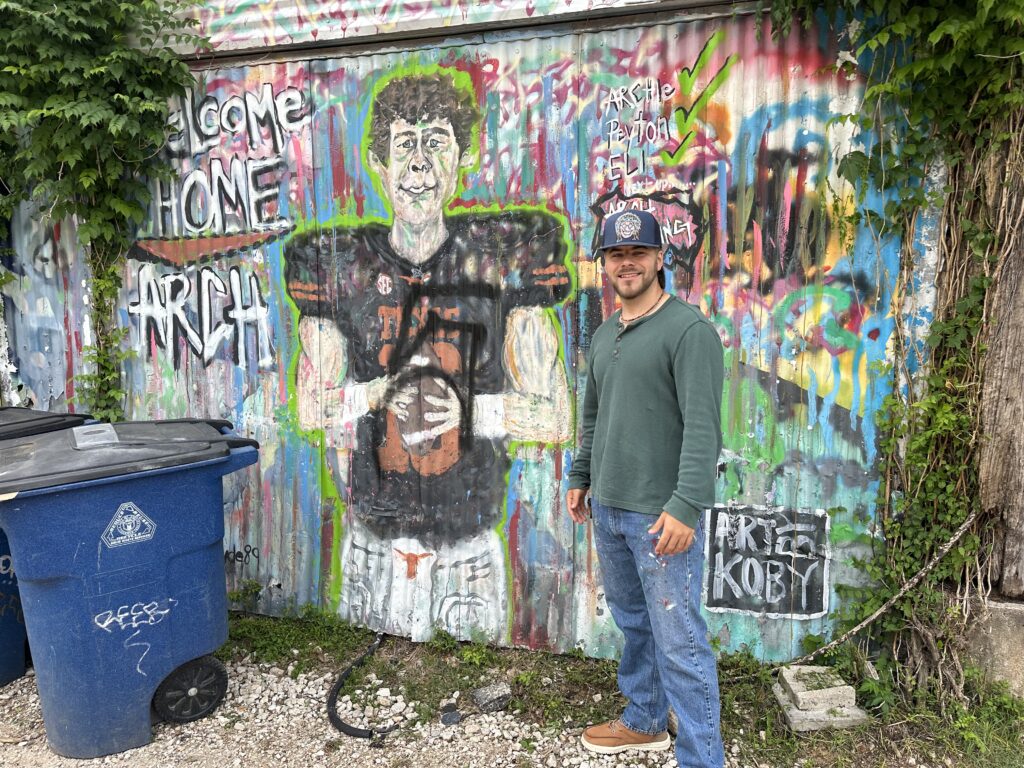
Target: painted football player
427 344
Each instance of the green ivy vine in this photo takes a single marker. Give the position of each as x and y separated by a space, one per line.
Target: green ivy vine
85 88
943 102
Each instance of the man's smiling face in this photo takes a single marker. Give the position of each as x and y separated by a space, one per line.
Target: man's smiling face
632 268
422 169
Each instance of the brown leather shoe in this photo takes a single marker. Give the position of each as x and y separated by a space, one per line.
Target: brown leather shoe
614 737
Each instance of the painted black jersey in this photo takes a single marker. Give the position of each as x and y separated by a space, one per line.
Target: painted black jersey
439 329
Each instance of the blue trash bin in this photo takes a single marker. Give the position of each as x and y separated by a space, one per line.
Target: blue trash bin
12 619
20 422
116 533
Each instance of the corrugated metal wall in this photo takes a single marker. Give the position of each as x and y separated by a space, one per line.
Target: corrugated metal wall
268 290
242 25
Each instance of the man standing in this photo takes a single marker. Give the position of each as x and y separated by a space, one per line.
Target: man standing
648 453
428 343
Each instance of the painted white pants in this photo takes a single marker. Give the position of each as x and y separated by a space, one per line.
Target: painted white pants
399 586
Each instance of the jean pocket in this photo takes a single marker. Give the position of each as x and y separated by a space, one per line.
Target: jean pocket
598 513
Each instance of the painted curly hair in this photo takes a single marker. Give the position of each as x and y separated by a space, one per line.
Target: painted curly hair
422 97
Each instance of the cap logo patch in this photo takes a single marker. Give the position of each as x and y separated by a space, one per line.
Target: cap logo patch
627 227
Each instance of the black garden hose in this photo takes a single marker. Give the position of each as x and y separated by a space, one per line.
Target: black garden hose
332 698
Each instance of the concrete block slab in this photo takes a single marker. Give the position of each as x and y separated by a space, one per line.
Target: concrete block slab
816 688
994 643
817 719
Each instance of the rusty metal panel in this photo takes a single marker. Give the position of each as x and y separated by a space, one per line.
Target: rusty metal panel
208 315
726 137
413 387
433 517
242 25
45 310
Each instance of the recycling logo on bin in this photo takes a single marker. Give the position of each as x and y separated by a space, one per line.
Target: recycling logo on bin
130 525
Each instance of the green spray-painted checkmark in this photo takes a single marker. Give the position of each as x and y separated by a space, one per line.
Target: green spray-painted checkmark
685 118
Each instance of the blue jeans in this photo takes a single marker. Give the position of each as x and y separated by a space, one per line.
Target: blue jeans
667 659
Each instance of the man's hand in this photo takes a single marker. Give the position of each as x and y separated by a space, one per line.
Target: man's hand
675 536
575 499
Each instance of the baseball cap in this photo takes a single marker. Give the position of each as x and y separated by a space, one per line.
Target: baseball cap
630 228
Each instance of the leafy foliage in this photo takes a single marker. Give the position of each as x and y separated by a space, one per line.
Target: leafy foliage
84 93
938 73
942 91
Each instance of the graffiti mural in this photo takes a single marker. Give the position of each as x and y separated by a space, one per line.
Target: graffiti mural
240 24
426 345
381 266
236 192
770 562
43 301
223 314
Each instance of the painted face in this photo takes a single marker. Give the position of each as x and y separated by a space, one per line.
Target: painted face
422 169
632 268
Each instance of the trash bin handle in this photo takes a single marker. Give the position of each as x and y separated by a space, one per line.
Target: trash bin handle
220 424
241 442
231 440
247 454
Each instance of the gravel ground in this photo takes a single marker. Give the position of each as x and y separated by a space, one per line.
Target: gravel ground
268 718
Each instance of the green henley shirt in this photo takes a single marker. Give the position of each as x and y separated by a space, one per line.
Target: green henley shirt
651 430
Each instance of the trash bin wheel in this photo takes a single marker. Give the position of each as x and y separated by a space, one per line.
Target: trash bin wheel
192 691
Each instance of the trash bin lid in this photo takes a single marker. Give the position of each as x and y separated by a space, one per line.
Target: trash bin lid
19 422
97 451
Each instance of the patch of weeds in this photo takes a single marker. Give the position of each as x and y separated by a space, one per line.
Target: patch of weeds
478 655
989 729
749 710
246 596
550 688
442 642
420 672
985 734
546 688
312 639
527 678
878 696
